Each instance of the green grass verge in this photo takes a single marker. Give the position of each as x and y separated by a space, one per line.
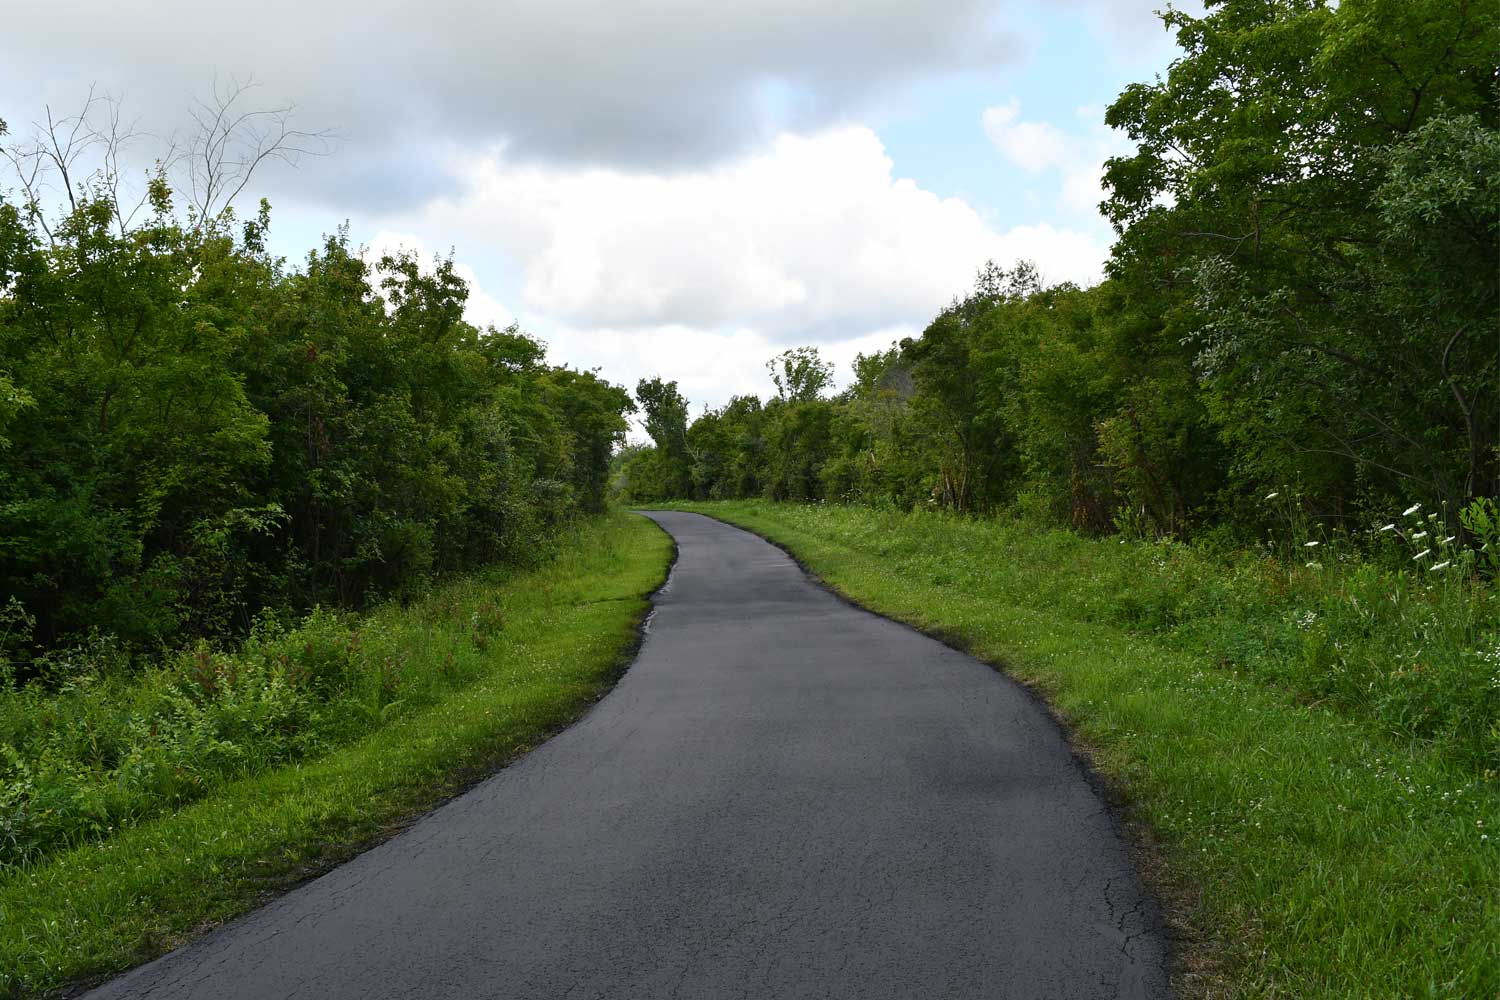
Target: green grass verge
568 629
1307 851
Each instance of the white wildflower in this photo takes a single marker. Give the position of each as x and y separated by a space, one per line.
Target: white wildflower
1408 512
1443 564
1419 555
1314 565
1273 495
1312 544
1389 527
1420 534
1449 539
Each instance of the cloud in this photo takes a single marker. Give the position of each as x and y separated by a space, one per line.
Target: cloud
1074 157
812 238
701 276
1129 24
658 84
1033 146
655 186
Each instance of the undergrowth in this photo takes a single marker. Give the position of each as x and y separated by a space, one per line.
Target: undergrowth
140 808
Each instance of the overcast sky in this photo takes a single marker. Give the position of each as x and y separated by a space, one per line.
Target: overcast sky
654 186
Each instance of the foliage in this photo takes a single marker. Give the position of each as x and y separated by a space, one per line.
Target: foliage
191 432
667 472
1304 291
99 749
1317 182
799 374
386 715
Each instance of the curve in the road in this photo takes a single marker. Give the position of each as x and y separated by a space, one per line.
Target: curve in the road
784 797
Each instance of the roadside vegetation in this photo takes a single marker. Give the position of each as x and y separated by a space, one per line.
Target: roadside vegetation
287 552
1256 718
1235 510
1304 299
141 809
192 431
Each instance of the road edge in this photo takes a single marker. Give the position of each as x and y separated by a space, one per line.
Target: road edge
457 782
1147 854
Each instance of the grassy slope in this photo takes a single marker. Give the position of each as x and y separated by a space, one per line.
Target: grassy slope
103 907
1307 854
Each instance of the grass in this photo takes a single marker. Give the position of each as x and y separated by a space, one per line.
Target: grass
1315 839
429 698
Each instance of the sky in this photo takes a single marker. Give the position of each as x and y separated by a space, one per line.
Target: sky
652 187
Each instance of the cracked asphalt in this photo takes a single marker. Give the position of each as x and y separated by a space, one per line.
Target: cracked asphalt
785 796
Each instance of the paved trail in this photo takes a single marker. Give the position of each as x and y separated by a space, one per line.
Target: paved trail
784 797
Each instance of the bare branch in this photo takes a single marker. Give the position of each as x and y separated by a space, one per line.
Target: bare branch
115 137
27 166
65 153
89 154
229 145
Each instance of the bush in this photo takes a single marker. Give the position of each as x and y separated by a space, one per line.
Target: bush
92 744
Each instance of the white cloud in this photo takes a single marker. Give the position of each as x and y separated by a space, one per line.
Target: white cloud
1032 146
701 276
659 186
651 84
1074 155
811 238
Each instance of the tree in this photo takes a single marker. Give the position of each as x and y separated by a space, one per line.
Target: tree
191 432
85 156
1295 172
800 374
666 422
230 142
593 411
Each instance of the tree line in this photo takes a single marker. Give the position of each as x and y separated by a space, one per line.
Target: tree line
1304 295
191 431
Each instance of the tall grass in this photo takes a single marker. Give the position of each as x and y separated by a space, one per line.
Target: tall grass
1413 650
1309 747
383 715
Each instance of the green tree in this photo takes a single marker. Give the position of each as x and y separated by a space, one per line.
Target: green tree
1298 173
593 412
800 374
666 422
191 432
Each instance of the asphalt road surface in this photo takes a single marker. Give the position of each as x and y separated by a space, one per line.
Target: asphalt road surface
784 797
